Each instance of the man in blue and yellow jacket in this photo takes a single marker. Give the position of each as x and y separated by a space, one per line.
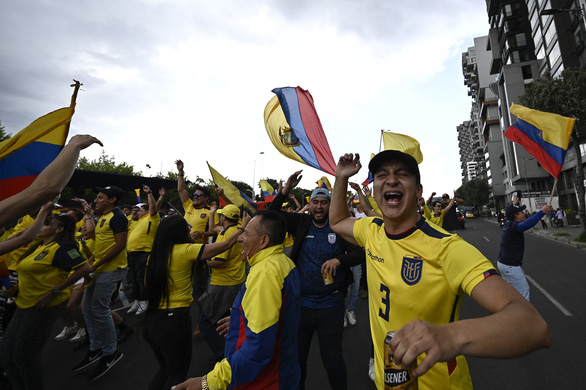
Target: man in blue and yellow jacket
261 345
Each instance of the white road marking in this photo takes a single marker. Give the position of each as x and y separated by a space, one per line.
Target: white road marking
486 238
548 296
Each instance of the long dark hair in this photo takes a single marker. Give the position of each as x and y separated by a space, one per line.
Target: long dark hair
67 222
172 230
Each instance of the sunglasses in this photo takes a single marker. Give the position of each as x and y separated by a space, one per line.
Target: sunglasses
198 195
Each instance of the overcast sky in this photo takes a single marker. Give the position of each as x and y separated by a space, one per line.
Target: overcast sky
190 79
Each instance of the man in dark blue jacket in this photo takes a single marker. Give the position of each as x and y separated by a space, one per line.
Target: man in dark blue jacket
510 259
322 299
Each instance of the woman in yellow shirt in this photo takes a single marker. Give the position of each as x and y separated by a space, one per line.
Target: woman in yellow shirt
169 281
44 278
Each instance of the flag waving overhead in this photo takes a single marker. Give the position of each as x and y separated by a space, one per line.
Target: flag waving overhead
25 155
544 135
268 192
402 143
236 196
295 129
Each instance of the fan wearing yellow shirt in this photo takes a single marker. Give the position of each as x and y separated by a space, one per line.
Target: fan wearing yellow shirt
169 281
139 245
197 212
109 266
417 275
228 274
44 278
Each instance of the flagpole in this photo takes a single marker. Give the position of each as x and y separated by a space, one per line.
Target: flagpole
555 183
77 85
381 140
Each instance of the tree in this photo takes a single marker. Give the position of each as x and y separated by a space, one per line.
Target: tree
566 96
475 192
3 134
105 163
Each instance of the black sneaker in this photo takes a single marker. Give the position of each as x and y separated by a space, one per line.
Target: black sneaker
91 358
125 334
106 362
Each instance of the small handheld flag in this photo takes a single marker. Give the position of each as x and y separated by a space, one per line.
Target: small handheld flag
236 196
544 135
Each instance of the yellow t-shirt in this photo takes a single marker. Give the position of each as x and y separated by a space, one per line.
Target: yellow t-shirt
197 218
233 271
142 235
180 280
12 258
421 273
108 226
47 266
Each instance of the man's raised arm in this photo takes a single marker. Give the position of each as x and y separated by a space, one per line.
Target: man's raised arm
340 219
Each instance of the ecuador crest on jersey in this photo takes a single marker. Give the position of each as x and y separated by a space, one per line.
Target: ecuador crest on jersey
411 269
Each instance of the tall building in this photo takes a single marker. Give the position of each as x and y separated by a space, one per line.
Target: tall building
486 116
520 47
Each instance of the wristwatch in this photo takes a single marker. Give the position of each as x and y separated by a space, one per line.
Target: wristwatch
56 291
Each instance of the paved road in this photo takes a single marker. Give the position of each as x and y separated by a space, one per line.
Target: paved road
557 268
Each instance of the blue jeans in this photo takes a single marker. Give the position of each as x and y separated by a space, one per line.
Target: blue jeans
96 310
329 325
515 276
354 288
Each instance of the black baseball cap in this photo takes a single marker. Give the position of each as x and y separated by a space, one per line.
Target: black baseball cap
110 191
389 155
512 210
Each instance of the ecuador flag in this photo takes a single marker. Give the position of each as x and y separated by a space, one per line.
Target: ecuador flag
25 155
544 135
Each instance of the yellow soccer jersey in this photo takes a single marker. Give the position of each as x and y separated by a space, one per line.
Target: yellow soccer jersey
197 218
421 273
233 271
12 258
182 259
437 220
47 266
142 235
108 226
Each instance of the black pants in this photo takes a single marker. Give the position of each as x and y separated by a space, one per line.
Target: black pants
23 343
329 325
168 333
137 263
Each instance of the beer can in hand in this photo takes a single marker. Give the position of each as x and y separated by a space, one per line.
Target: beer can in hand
396 378
327 278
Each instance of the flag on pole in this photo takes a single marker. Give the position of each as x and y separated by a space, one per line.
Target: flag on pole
237 197
137 190
268 192
402 143
25 155
295 129
544 135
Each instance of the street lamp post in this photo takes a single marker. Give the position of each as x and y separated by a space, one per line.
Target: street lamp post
254 177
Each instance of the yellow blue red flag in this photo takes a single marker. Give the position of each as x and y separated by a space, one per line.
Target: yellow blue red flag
544 135
25 155
237 197
295 129
403 143
323 182
268 192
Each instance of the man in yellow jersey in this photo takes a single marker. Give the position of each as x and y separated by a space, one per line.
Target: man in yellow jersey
139 245
417 275
109 266
197 212
228 274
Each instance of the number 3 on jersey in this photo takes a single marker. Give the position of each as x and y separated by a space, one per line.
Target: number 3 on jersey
383 312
